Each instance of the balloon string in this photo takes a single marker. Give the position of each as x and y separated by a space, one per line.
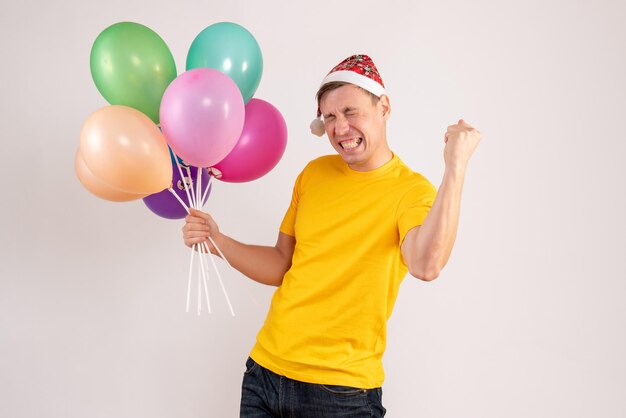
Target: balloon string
193 193
220 252
221 282
182 178
200 272
178 198
198 187
211 258
210 239
206 247
206 191
203 268
206 278
193 249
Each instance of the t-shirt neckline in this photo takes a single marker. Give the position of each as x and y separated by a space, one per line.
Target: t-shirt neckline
372 173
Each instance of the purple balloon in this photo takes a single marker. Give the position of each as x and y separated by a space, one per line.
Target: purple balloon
202 115
167 206
260 147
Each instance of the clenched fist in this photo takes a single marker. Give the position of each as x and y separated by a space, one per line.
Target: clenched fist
461 140
199 226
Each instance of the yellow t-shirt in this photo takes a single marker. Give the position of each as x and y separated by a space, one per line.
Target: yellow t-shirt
327 321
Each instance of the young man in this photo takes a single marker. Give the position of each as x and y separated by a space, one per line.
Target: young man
357 223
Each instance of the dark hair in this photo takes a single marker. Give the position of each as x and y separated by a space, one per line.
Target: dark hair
335 85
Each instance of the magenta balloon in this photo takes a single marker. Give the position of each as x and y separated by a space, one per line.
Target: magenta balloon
260 147
202 115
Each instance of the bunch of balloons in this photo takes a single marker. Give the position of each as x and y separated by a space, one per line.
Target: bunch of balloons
162 130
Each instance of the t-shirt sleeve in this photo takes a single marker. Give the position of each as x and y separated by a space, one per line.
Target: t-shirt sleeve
415 205
289 221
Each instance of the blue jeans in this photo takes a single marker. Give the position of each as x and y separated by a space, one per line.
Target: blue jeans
266 394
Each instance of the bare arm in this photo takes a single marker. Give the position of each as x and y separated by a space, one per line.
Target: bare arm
426 248
264 264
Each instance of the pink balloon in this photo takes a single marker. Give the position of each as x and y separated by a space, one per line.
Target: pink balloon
202 115
260 147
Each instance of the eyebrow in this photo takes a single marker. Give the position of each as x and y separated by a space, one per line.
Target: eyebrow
345 110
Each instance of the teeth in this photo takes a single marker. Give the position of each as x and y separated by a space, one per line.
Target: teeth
351 143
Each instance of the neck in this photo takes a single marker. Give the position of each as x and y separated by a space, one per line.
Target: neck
375 162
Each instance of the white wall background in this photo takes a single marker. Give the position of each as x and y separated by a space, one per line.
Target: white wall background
527 320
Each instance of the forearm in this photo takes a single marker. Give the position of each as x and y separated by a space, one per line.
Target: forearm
263 264
433 244
426 249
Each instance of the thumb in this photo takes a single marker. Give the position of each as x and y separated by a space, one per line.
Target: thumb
198 213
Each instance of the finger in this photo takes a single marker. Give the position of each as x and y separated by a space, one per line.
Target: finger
457 128
196 234
199 214
466 125
195 220
197 227
192 241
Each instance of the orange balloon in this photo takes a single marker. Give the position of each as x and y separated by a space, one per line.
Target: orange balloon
97 187
122 147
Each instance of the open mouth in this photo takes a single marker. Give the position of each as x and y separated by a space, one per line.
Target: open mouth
351 143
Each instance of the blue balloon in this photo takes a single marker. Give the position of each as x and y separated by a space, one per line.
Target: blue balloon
231 49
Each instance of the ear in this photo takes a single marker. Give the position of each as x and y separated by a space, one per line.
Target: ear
385 106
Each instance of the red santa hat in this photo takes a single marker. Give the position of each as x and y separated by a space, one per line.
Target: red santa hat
358 70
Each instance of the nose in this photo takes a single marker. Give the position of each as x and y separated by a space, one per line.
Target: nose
341 125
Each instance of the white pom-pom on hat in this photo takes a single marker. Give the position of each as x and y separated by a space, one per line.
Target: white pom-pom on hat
317 127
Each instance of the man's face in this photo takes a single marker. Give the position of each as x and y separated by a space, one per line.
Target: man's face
356 126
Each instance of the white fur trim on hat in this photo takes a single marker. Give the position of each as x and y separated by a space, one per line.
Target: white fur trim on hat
356 79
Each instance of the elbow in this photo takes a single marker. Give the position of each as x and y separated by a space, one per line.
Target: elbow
427 265
426 276
425 273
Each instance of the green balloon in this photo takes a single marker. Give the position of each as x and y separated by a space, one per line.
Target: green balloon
231 49
132 66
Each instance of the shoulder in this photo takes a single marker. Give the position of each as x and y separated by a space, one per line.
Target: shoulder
413 179
325 161
318 169
323 164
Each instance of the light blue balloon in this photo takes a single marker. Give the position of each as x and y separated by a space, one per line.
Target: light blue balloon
231 49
